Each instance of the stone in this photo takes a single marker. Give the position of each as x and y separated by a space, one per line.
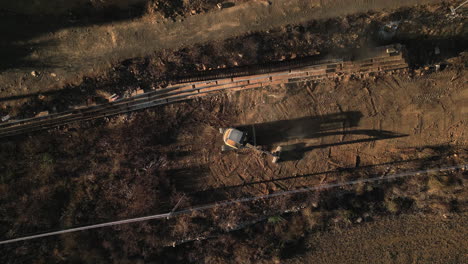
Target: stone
43 113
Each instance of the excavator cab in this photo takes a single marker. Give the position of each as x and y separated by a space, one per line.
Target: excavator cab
236 139
233 138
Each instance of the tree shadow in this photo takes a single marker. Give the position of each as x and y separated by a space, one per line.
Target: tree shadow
17 30
233 188
190 179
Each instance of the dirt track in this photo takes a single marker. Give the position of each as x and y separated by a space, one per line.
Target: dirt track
76 51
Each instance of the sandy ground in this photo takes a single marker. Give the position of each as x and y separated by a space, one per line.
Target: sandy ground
73 52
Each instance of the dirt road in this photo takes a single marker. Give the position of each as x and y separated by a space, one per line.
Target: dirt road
63 55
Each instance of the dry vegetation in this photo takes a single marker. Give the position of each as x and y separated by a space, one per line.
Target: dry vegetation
117 169
112 169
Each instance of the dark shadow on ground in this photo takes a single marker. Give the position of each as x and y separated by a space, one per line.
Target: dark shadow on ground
297 151
188 180
270 133
341 207
232 189
16 30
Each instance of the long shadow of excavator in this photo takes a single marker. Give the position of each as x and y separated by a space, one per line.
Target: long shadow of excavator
274 133
270 133
296 151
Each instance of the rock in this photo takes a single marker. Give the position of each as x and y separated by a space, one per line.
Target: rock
34 73
113 98
138 92
293 56
43 113
5 118
359 220
53 74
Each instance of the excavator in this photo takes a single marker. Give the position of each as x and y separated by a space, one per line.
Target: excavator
237 139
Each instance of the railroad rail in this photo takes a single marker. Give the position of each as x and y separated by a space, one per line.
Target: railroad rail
384 58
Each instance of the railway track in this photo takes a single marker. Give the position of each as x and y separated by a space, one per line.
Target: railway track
384 58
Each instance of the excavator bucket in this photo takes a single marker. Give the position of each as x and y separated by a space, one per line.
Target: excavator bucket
277 154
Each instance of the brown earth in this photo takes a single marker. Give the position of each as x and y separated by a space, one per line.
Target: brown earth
64 53
145 162
402 239
333 131
421 30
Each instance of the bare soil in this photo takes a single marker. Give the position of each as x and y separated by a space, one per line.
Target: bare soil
61 53
331 37
145 162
